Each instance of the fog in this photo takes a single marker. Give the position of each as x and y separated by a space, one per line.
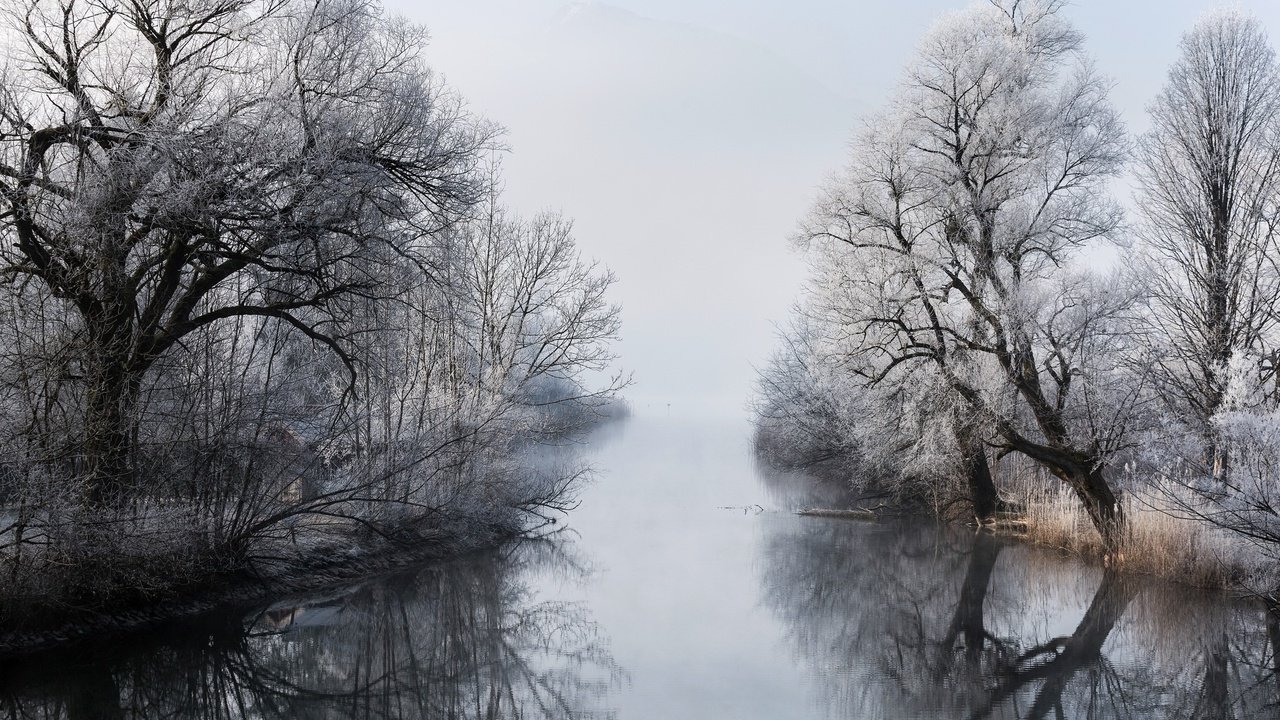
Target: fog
686 137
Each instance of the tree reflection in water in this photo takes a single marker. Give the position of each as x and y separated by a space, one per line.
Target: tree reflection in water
463 640
901 621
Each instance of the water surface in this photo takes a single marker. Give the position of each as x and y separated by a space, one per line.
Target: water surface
685 587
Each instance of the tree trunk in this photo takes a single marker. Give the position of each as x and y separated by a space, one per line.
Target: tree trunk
1215 696
977 472
112 384
974 466
969 622
1272 620
1100 502
1219 465
112 392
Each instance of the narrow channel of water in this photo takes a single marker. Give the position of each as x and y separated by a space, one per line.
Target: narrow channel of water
684 587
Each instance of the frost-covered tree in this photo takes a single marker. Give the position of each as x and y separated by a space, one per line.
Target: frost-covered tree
910 438
169 166
808 408
507 339
953 224
1209 172
260 294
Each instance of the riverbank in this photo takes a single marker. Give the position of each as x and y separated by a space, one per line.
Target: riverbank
1161 542
34 625
1169 535
391 645
77 574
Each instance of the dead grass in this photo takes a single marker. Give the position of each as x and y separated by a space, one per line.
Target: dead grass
1161 540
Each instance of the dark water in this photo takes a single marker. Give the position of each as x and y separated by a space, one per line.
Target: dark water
686 589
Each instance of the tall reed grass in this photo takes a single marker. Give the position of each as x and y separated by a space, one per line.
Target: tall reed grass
1163 537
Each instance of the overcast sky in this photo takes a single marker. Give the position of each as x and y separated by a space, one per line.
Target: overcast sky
686 138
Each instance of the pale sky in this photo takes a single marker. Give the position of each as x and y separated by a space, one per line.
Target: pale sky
687 137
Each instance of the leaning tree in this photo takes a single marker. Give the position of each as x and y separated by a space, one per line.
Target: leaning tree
951 229
165 167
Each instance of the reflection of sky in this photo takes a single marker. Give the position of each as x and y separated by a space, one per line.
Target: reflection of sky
686 137
676 587
717 610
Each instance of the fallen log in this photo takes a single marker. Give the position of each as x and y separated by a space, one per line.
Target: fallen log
853 514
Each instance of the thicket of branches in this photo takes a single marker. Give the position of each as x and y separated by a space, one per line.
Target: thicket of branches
261 297
953 322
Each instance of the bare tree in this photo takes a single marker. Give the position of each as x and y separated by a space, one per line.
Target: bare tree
1209 172
170 166
911 439
536 313
508 338
951 228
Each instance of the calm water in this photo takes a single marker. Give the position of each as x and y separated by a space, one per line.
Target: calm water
684 587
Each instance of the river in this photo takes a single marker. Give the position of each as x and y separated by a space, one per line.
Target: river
685 586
